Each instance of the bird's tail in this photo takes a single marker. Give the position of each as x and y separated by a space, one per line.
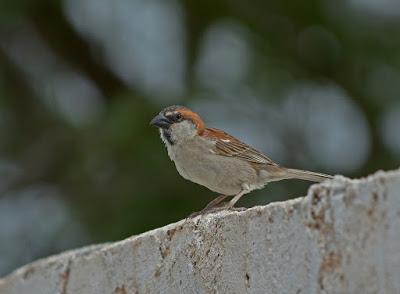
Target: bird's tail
291 173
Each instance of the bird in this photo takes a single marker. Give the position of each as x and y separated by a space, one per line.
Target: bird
217 160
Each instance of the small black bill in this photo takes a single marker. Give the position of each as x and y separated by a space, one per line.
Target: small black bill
160 121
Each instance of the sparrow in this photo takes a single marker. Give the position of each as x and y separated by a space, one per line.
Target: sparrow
214 159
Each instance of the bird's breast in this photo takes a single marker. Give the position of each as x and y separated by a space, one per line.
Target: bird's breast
193 162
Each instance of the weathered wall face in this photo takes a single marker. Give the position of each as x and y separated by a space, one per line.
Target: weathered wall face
344 237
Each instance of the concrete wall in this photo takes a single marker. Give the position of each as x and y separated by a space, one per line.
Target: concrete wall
344 237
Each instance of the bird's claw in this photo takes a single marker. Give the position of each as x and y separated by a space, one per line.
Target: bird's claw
238 208
207 211
216 209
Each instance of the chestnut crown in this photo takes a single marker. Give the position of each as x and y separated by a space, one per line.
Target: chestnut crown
176 114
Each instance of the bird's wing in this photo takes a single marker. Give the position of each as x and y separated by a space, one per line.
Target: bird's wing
227 145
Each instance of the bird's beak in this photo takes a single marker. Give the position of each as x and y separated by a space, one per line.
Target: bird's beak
160 121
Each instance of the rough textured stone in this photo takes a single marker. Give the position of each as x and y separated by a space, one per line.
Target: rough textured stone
344 237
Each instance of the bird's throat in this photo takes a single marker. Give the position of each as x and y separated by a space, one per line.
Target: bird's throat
167 136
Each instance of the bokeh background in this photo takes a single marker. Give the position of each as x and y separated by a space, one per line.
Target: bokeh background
315 84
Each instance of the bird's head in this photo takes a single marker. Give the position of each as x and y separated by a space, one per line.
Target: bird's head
178 124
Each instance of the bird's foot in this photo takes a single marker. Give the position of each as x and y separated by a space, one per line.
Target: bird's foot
238 208
223 206
208 210
216 204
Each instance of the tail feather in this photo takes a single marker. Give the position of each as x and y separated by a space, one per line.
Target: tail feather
306 175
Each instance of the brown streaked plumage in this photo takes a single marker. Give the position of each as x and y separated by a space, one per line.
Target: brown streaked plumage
217 160
228 145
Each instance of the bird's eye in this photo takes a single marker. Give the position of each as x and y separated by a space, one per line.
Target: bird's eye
178 116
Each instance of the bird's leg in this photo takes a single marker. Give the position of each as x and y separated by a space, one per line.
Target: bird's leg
210 206
236 199
213 203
